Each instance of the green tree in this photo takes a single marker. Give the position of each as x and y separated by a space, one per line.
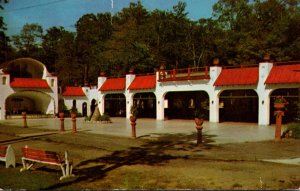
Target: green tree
28 42
4 46
92 32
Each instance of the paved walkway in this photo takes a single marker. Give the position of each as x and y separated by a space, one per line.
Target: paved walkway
227 132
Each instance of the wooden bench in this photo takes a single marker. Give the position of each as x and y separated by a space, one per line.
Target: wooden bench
31 156
7 155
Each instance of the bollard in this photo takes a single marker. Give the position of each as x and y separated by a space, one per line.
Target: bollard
278 115
199 128
73 116
24 119
62 126
133 124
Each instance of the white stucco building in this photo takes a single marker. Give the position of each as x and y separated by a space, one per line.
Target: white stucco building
243 94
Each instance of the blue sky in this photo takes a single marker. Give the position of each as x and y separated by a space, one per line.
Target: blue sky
65 13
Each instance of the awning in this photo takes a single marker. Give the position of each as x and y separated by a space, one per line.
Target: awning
285 74
73 91
237 76
113 84
143 82
29 83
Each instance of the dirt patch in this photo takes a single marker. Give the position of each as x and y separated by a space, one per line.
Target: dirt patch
168 161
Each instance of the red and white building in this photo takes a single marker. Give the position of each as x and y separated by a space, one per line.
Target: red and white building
244 94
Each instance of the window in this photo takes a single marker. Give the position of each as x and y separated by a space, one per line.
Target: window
52 82
4 80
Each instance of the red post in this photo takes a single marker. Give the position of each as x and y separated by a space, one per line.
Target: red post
73 115
199 128
24 116
278 115
133 124
62 126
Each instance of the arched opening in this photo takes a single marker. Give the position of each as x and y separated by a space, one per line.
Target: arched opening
93 106
115 105
74 107
182 105
31 102
292 95
24 68
146 104
84 109
238 106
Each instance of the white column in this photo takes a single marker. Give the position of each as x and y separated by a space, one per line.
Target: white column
214 108
263 109
160 109
101 103
129 103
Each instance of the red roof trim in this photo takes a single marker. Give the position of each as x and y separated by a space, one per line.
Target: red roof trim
237 76
143 82
29 83
113 84
73 91
285 74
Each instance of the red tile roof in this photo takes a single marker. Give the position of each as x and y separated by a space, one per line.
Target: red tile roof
29 83
113 84
143 82
73 91
284 74
237 76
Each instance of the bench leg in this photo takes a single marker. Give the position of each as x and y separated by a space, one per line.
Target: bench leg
26 166
66 170
10 157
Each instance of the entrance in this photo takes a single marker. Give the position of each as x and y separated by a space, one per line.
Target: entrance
31 102
146 104
239 106
182 105
115 105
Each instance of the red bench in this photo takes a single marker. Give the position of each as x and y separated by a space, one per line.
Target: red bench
31 156
7 155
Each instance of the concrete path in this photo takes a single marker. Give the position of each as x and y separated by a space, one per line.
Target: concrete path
220 133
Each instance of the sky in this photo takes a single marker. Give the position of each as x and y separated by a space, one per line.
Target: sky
49 13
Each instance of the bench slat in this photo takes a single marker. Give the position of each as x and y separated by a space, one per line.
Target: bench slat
40 155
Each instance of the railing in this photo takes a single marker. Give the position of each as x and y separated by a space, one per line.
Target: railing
201 73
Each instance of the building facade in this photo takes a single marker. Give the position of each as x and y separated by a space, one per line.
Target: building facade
244 94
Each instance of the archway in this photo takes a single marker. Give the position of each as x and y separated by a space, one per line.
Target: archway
239 106
292 95
32 102
182 105
115 105
146 104
84 109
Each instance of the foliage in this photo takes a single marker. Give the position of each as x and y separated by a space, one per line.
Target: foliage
294 128
199 114
105 117
239 32
280 99
134 110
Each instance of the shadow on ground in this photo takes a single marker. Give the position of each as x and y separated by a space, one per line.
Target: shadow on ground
153 152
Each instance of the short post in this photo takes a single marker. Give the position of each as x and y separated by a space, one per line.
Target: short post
73 115
24 116
278 115
133 124
62 126
199 135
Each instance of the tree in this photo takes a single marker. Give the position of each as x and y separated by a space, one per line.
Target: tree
50 44
28 42
4 47
92 32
